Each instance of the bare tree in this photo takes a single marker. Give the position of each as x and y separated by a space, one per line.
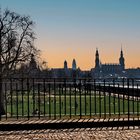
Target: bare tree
16 44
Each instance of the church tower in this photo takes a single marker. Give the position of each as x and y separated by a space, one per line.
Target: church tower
74 67
122 60
65 65
97 61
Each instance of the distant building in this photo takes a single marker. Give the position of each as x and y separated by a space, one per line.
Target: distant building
133 73
65 65
66 72
108 70
74 67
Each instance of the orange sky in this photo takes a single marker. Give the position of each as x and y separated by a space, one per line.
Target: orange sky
55 53
67 29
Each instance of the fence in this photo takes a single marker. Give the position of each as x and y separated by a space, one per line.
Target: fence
71 98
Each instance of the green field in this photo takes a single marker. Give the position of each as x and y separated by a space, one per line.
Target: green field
60 105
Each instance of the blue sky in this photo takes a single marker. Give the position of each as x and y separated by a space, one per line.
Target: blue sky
68 29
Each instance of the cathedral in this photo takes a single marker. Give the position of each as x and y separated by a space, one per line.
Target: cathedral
108 70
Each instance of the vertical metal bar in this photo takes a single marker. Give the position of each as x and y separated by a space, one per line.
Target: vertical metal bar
60 100
17 99
138 99
100 111
63 104
70 101
11 91
123 97
75 96
44 88
22 97
104 101
54 99
133 94
118 102
109 102
65 97
85 85
90 87
95 95
39 100
28 99
80 100
128 99
5 87
33 96
114 96
49 101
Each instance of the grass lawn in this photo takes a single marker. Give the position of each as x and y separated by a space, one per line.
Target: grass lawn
64 105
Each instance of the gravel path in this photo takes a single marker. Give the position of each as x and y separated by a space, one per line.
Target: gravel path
76 134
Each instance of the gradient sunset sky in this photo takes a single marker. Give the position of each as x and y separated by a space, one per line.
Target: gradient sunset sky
67 29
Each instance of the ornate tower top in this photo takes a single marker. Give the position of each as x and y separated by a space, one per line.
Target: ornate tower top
97 61
65 64
122 60
74 67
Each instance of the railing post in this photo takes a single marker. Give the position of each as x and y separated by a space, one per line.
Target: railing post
123 96
109 102
22 92
114 96
80 100
17 99
60 102
128 100
11 92
33 88
95 96
90 88
138 100
75 101
104 101
100 110
65 90
49 100
28 99
5 87
119 102
70 101
44 89
85 92
39 100
54 98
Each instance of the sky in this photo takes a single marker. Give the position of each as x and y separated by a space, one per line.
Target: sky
68 29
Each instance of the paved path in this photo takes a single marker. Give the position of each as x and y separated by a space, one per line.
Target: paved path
74 134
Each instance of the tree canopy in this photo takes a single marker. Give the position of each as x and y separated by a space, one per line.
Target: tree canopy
16 40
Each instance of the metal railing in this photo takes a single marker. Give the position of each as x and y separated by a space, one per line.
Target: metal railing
70 98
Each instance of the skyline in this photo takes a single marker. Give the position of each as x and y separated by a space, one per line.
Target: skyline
68 29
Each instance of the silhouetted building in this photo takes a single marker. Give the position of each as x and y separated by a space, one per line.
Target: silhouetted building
74 67
65 65
108 70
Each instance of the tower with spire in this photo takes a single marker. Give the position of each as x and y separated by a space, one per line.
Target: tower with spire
74 67
97 60
65 65
122 60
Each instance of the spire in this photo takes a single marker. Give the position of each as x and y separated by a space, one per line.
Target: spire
121 55
74 67
122 60
97 53
65 64
97 61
